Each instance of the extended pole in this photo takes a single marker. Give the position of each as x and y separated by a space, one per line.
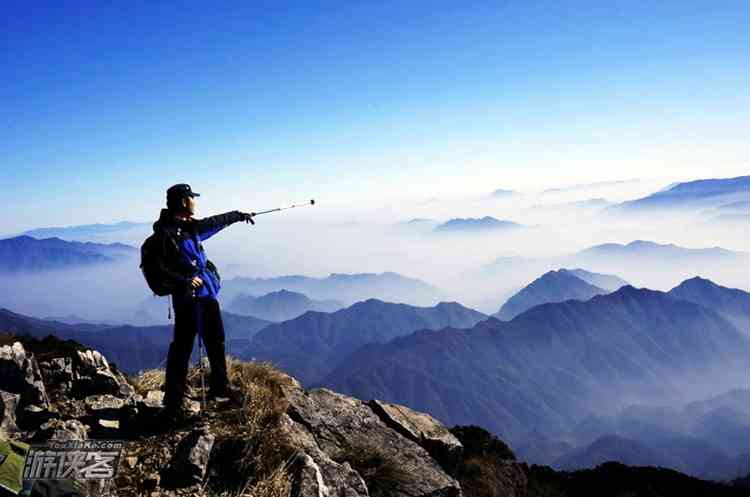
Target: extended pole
311 202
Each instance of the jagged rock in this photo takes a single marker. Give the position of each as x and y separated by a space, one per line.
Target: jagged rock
423 429
105 406
189 463
58 372
32 416
8 406
314 472
143 415
19 373
93 376
56 429
313 480
155 398
105 428
343 427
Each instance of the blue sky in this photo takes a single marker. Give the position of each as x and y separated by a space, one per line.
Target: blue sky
104 106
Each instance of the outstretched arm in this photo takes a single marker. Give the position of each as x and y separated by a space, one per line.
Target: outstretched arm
209 226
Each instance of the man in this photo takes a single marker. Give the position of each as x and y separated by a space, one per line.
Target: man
194 284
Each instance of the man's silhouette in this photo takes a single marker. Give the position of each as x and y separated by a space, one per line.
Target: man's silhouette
195 284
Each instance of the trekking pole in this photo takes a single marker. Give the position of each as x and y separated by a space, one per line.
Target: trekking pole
311 202
199 323
203 374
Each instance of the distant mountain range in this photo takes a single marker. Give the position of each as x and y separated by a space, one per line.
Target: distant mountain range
346 288
280 306
312 345
708 439
486 223
84 231
628 255
691 195
132 348
24 253
553 286
502 193
640 250
551 365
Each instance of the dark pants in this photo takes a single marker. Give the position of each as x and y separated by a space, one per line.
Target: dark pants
194 316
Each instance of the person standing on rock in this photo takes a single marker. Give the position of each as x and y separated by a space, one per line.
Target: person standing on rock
193 282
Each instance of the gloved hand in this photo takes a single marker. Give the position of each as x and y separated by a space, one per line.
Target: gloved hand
248 217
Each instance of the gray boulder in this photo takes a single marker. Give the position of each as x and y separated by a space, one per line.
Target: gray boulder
8 406
314 473
19 373
188 465
422 429
58 372
94 376
104 406
345 428
57 429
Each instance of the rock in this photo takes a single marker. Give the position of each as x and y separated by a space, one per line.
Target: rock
58 372
33 416
313 472
190 460
151 482
192 406
8 406
423 429
143 416
105 406
56 429
93 376
312 480
105 428
19 373
344 427
155 397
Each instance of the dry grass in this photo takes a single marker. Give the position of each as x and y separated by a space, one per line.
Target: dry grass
382 475
256 417
275 484
251 457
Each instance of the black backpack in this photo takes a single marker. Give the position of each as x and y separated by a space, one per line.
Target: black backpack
154 263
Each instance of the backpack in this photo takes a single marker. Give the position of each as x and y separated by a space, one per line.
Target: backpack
153 263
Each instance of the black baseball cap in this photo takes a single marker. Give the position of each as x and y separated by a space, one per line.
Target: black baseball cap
179 191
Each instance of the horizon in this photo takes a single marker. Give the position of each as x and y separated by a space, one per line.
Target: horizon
344 103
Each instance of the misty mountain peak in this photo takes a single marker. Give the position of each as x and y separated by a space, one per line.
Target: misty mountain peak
697 281
553 286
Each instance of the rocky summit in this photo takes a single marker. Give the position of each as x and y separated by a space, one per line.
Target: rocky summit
280 439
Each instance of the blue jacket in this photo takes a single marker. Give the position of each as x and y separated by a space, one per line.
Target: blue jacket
191 256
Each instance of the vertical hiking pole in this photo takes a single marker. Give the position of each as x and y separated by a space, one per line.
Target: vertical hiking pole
203 374
199 325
